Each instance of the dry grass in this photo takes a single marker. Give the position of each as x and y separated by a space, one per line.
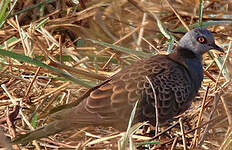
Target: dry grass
29 91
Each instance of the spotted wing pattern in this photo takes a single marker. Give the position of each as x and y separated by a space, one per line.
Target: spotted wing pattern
113 101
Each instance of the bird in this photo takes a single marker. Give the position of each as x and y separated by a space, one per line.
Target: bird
173 80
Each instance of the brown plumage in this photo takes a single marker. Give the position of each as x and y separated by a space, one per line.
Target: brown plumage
176 79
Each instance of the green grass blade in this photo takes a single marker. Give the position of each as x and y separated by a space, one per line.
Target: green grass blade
163 29
170 45
204 25
10 40
44 21
4 6
125 138
34 120
38 63
121 49
32 7
201 7
3 20
148 143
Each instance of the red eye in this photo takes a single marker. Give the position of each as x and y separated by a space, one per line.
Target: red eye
202 39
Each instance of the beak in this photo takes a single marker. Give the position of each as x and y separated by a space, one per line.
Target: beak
218 48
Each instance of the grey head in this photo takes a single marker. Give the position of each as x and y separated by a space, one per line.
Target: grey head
199 41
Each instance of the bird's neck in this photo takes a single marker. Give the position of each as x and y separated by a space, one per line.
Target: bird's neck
184 53
191 61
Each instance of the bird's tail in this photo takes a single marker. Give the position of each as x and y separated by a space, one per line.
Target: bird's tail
50 129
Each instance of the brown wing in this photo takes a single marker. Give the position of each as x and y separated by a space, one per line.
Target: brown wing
113 101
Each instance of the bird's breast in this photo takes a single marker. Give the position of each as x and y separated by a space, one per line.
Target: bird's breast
196 71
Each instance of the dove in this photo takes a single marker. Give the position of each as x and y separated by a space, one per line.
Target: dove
174 82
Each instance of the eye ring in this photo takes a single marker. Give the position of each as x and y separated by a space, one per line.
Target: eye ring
202 39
